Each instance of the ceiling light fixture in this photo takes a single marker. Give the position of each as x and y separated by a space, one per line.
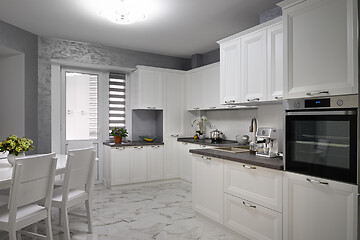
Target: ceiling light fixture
122 14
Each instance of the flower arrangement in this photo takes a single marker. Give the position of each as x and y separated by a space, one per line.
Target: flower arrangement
121 132
15 145
200 122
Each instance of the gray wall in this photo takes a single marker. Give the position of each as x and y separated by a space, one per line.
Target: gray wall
92 54
27 43
199 60
270 14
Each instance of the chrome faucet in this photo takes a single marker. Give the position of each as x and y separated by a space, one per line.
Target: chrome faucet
251 128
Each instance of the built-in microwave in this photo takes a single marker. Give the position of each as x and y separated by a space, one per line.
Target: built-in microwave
321 137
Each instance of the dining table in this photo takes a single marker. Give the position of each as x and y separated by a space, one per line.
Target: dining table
6 170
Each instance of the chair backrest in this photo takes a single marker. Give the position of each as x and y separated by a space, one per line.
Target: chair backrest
78 144
79 171
32 181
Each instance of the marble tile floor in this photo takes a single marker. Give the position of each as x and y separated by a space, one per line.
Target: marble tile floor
161 212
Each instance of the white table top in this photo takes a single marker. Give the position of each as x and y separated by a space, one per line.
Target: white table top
6 170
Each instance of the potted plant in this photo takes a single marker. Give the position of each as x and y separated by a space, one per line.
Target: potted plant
118 134
200 123
16 147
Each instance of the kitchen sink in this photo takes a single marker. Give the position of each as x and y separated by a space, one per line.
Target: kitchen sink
232 149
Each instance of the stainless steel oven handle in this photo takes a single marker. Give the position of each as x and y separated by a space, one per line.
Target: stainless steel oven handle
317 93
316 181
321 113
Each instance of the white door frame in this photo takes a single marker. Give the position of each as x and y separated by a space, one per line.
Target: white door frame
56 66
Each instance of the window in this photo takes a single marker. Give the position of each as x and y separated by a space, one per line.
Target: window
116 100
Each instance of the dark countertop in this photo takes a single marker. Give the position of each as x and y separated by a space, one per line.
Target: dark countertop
134 143
247 158
207 142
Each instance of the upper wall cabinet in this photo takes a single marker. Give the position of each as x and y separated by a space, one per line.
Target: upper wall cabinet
230 72
147 89
251 65
320 43
202 88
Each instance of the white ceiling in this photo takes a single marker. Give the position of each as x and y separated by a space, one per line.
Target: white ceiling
173 27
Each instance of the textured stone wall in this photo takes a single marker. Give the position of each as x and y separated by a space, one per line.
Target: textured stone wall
91 54
27 43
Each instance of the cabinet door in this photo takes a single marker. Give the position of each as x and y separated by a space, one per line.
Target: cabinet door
155 162
319 209
151 88
207 187
251 220
174 110
259 185
253 67
120 166
321 55
185 162
230 72
138 164
195 90
275 62
172 157
211 87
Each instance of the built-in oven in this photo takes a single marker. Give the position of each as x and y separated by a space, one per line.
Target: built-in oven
321 137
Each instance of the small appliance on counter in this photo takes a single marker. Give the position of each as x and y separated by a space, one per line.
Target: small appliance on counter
267 142
216 136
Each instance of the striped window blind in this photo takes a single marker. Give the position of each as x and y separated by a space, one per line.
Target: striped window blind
116 100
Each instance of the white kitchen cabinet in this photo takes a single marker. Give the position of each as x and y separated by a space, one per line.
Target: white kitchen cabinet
321 47
262 186
212 86
185 161
203 88
172 153
230 72
174 106
147 88
138 164
207 186
116 165
155 162
319 209
253 67
195 90
275 63
251 220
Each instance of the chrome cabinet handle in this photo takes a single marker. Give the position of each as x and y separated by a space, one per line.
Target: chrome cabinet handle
203 146
212 107
253 99
248 167
317 93
139 147
206 158
185 143
230 101
123 148
157 146
151 107
316 181
231 106
196 108
248 205
174 135
279 97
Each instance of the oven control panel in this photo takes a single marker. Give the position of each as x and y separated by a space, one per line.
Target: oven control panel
345 101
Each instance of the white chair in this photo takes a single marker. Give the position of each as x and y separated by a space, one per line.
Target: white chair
77 188
32 182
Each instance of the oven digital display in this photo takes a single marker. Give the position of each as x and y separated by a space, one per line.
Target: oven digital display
314 103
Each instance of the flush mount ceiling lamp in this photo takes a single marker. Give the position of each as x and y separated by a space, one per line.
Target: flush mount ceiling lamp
122 14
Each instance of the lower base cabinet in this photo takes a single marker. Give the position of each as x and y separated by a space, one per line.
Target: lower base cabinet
316 209
133 164
207 186
251 220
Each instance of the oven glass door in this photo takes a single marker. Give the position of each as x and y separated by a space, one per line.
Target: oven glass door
322 144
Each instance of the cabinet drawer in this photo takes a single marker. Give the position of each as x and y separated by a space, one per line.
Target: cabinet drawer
259 185
251 220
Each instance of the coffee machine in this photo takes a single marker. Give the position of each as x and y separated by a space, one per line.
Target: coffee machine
267 144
